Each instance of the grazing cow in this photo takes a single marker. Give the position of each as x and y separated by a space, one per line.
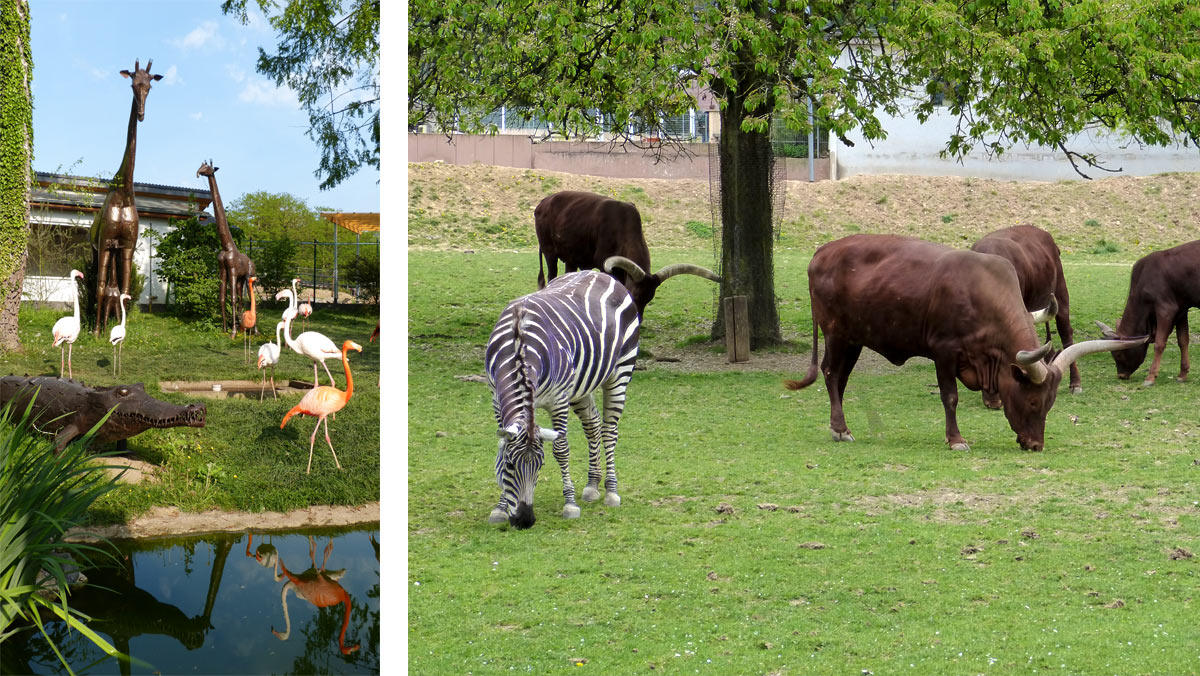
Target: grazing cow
1163 286
585 229
903 298
1035 257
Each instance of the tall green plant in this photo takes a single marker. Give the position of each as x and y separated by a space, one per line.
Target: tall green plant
188 261
41 497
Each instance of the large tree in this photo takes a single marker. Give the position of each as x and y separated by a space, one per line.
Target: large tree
328 54
1019 71
16 157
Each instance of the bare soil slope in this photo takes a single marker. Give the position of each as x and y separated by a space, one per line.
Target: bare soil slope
482 206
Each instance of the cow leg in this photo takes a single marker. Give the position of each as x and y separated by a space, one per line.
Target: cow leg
948 385
552 263
1067 335
1181 335
840 358
585 410
1162 331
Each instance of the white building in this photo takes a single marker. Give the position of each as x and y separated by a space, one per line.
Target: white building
62 208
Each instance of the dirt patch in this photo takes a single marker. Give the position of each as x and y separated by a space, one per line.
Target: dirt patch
161 521
453 207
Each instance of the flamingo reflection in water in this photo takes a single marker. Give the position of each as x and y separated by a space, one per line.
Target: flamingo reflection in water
318 586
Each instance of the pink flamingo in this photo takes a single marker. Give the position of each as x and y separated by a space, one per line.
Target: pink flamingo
320 588
249 320
117 336
305 310
268 355
322 401
67 330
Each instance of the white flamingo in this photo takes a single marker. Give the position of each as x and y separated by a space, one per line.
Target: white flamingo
67 330
117 337
304 310
268 355
313 345
290 310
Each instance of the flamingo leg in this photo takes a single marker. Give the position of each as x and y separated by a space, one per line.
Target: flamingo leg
120 350
333 384
312 440
70 371
62 364
335 458
273 393
114 361
263 387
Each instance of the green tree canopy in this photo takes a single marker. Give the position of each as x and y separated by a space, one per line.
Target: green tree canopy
328 54
271 215
1021 71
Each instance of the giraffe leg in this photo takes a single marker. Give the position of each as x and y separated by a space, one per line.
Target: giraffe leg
335 459
103 256
585 410
221 297
562 454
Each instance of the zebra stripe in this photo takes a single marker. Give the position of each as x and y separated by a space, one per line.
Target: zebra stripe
553 349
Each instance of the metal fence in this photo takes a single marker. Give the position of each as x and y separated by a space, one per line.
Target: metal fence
318 266
689 126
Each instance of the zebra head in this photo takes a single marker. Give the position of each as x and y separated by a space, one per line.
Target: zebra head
518 461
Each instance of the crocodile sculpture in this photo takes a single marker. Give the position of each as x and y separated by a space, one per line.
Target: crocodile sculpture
68 409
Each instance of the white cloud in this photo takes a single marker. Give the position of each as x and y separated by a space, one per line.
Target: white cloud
235 73
263 93
171 77
93 71
196 116
202 35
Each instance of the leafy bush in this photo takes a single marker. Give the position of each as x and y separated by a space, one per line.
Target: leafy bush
275 264
41 496
363 272
188 261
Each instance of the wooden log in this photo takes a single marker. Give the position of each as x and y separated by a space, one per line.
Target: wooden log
737 329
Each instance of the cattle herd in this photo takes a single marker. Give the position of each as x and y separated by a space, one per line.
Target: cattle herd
973 313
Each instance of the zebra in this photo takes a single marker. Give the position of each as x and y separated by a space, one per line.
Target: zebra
553 349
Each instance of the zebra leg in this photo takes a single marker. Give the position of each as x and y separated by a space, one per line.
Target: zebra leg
614 405
499 512
562 453
585 410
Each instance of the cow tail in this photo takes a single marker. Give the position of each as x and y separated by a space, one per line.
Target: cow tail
541 269
812 366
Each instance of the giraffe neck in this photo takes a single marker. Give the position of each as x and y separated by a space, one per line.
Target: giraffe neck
219 214
123 180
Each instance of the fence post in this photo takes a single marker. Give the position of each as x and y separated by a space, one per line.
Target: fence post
314 274
737 329
335 264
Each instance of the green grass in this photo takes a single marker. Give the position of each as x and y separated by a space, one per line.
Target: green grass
891 554
241 459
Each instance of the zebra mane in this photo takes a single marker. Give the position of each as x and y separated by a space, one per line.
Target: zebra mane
522 375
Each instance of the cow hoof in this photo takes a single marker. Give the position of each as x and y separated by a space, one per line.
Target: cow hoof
1182 379
591 494
842 436
960 446
1076 390
612 500
1148 382
498 516
571 511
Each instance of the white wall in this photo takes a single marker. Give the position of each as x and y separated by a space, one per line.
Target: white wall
912 148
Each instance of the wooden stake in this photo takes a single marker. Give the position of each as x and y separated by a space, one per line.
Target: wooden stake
737 329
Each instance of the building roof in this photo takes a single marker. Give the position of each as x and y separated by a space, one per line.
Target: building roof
355 222
82 193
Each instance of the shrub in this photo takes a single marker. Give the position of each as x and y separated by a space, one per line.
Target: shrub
363 272
188 261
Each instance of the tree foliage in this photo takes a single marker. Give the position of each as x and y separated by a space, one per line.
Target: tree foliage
1021 71
268 215
328 54
188 261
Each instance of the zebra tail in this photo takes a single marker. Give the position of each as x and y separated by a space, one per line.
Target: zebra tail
812 366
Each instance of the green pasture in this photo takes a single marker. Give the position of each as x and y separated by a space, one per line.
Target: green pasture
747 542
241 459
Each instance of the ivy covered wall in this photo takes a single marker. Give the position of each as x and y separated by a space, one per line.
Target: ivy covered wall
16 157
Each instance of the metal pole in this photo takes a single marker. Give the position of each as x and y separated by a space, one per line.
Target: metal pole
357 241
335 266
314 273
812 131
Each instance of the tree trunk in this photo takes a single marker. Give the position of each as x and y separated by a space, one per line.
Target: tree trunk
16 134
747 255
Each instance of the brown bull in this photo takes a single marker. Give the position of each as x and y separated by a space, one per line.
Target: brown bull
1035 257
1163 286
903 298
584 230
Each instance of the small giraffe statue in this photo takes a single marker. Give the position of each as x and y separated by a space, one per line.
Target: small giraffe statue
234 267
114 231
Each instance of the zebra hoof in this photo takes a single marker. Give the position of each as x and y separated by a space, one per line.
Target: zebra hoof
842 436
591 493
498 516
571 511
612 500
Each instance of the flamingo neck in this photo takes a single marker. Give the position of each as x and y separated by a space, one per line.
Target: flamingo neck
76 299
252 306
122 311
287 334
278 339
292 301
345 598
349 378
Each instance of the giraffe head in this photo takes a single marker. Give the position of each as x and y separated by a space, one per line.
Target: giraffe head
141 85
206 169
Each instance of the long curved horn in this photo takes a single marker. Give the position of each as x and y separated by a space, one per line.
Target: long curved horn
635 271
1069 355
1030 362
1107 331
1044 315
686 269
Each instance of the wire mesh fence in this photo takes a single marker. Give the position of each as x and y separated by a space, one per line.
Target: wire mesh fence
325 269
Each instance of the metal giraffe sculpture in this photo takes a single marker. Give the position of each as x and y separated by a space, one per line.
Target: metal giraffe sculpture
234 267
115 229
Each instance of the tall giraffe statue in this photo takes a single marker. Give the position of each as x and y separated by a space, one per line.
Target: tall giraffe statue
233 267
115 229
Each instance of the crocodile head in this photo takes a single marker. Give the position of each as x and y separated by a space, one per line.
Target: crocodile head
135 411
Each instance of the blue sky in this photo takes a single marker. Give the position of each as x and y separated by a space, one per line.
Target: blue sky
210 103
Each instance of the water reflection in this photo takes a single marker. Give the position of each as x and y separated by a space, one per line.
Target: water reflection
186 606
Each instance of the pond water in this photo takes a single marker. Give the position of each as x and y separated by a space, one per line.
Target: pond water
250 603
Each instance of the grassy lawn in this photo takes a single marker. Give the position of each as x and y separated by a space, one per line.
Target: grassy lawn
747 542
240 460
